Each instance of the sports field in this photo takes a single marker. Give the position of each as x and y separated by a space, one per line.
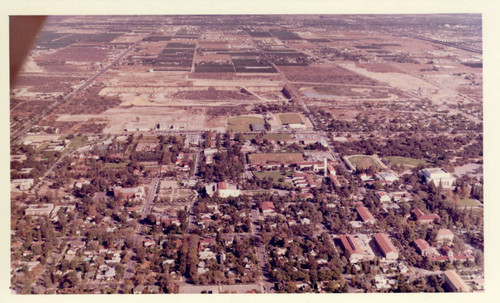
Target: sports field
242 123
364 162
405 161
290 118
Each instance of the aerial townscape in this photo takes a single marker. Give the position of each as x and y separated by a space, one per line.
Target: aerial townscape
209 154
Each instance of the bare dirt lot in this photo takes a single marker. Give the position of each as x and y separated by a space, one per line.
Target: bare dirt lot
325 74
78 54
215 94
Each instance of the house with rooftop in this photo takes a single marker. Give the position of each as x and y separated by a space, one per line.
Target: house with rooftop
424 218
423 247
444 235
132 192
383 196
225 190
22 184
39 209
387 177
267 208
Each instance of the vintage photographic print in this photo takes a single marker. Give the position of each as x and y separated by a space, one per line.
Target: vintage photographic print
246 153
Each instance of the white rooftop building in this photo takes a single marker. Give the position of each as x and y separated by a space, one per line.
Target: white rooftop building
437 176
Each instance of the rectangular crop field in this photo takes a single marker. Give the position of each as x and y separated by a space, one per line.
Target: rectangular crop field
290 118
242 123
275 158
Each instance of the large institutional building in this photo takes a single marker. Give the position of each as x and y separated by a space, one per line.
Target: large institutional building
454 282
437 176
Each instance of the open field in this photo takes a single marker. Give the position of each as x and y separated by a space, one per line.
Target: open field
278 158
392 160
364 162
275 175
290 118
469 203
242 123
78 54
325 74
77 141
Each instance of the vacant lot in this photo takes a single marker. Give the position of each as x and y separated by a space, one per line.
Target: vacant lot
278 158
79 54
214 94
364 162
326 74
242 123
405 161
290 118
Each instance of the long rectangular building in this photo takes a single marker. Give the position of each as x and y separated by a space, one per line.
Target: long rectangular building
365 215
352 248
384 243
454 282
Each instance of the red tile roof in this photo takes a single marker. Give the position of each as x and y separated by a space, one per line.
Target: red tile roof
365 214
422 245
384 243
267 205
350 244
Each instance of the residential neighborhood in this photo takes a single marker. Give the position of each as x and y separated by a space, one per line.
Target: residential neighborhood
252 154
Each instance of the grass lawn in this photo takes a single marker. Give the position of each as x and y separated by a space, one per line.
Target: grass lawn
280 158
468 203
364 162
242 123
77 141
290 118
406 161
43 146
276 137
275 175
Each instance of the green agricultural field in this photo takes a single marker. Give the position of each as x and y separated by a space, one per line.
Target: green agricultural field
468 203
275 175
364 162
406 161
242 123
280 158
290 118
